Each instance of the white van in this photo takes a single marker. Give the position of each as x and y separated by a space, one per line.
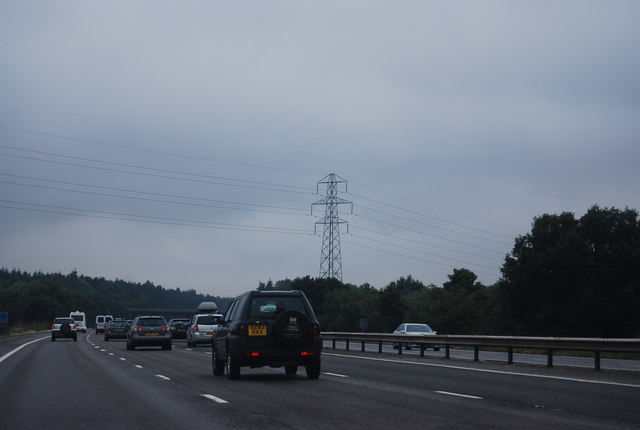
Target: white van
81 320
101 322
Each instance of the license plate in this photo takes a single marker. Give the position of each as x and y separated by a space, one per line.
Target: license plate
181 329
209 333
151 334
257 329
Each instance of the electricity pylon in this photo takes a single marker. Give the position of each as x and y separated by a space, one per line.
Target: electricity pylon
331 257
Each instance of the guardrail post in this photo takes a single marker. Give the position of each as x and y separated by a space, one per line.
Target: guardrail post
400 348
447 353
334 343
510 355
476 353
422 348
362 349
380 347
597 361
347 344
550 357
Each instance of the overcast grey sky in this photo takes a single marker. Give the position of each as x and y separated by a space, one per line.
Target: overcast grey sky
181 142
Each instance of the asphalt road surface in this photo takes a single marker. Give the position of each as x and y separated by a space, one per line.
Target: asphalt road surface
100 385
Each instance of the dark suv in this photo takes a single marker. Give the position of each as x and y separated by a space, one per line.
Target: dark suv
268 328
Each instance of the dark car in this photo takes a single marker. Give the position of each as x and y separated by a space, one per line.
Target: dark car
149 331
116 329
268 328
179 327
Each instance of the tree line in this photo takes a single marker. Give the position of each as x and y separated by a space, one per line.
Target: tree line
33 299
569 276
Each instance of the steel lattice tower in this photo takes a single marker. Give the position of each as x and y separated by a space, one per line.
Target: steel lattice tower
331 258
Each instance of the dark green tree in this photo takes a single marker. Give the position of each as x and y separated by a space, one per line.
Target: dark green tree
575 277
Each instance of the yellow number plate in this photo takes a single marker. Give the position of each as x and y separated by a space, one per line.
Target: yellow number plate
151 334
257 329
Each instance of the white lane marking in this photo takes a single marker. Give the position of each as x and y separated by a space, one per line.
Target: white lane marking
335 374
214 398
111 353
10 353
103 350
466 396
138 366
123 359
208 353
164 377
501 372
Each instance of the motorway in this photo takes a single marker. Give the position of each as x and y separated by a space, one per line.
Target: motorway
100 385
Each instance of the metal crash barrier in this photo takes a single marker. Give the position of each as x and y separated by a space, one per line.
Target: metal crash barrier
548 344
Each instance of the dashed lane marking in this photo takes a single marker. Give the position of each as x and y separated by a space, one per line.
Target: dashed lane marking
335 374
214 398
466 396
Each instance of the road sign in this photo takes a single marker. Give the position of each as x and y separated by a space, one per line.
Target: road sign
4 317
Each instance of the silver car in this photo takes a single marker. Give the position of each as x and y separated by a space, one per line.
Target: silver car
415 329
202 328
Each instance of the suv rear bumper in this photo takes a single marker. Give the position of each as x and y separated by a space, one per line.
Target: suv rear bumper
274 358
269 353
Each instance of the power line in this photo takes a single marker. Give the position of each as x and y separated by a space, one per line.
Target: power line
409 256
151 194
154 151
432 226
432 217
152 169
429 234
438 207
155 175
62 210
424 243
420 252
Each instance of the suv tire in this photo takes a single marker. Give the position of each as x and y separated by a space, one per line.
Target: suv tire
292 328
313 368
233 369
216 364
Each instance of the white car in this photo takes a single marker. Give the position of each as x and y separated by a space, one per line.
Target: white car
202 328
415 329
64 327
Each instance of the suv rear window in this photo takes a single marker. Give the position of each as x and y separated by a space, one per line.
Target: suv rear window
64 321
208 319
270 307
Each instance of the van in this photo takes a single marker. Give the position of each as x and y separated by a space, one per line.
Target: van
81 320
101 322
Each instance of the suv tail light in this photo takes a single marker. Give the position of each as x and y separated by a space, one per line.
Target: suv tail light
138 329
242 330
53 326
315 330
165 329
196 328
